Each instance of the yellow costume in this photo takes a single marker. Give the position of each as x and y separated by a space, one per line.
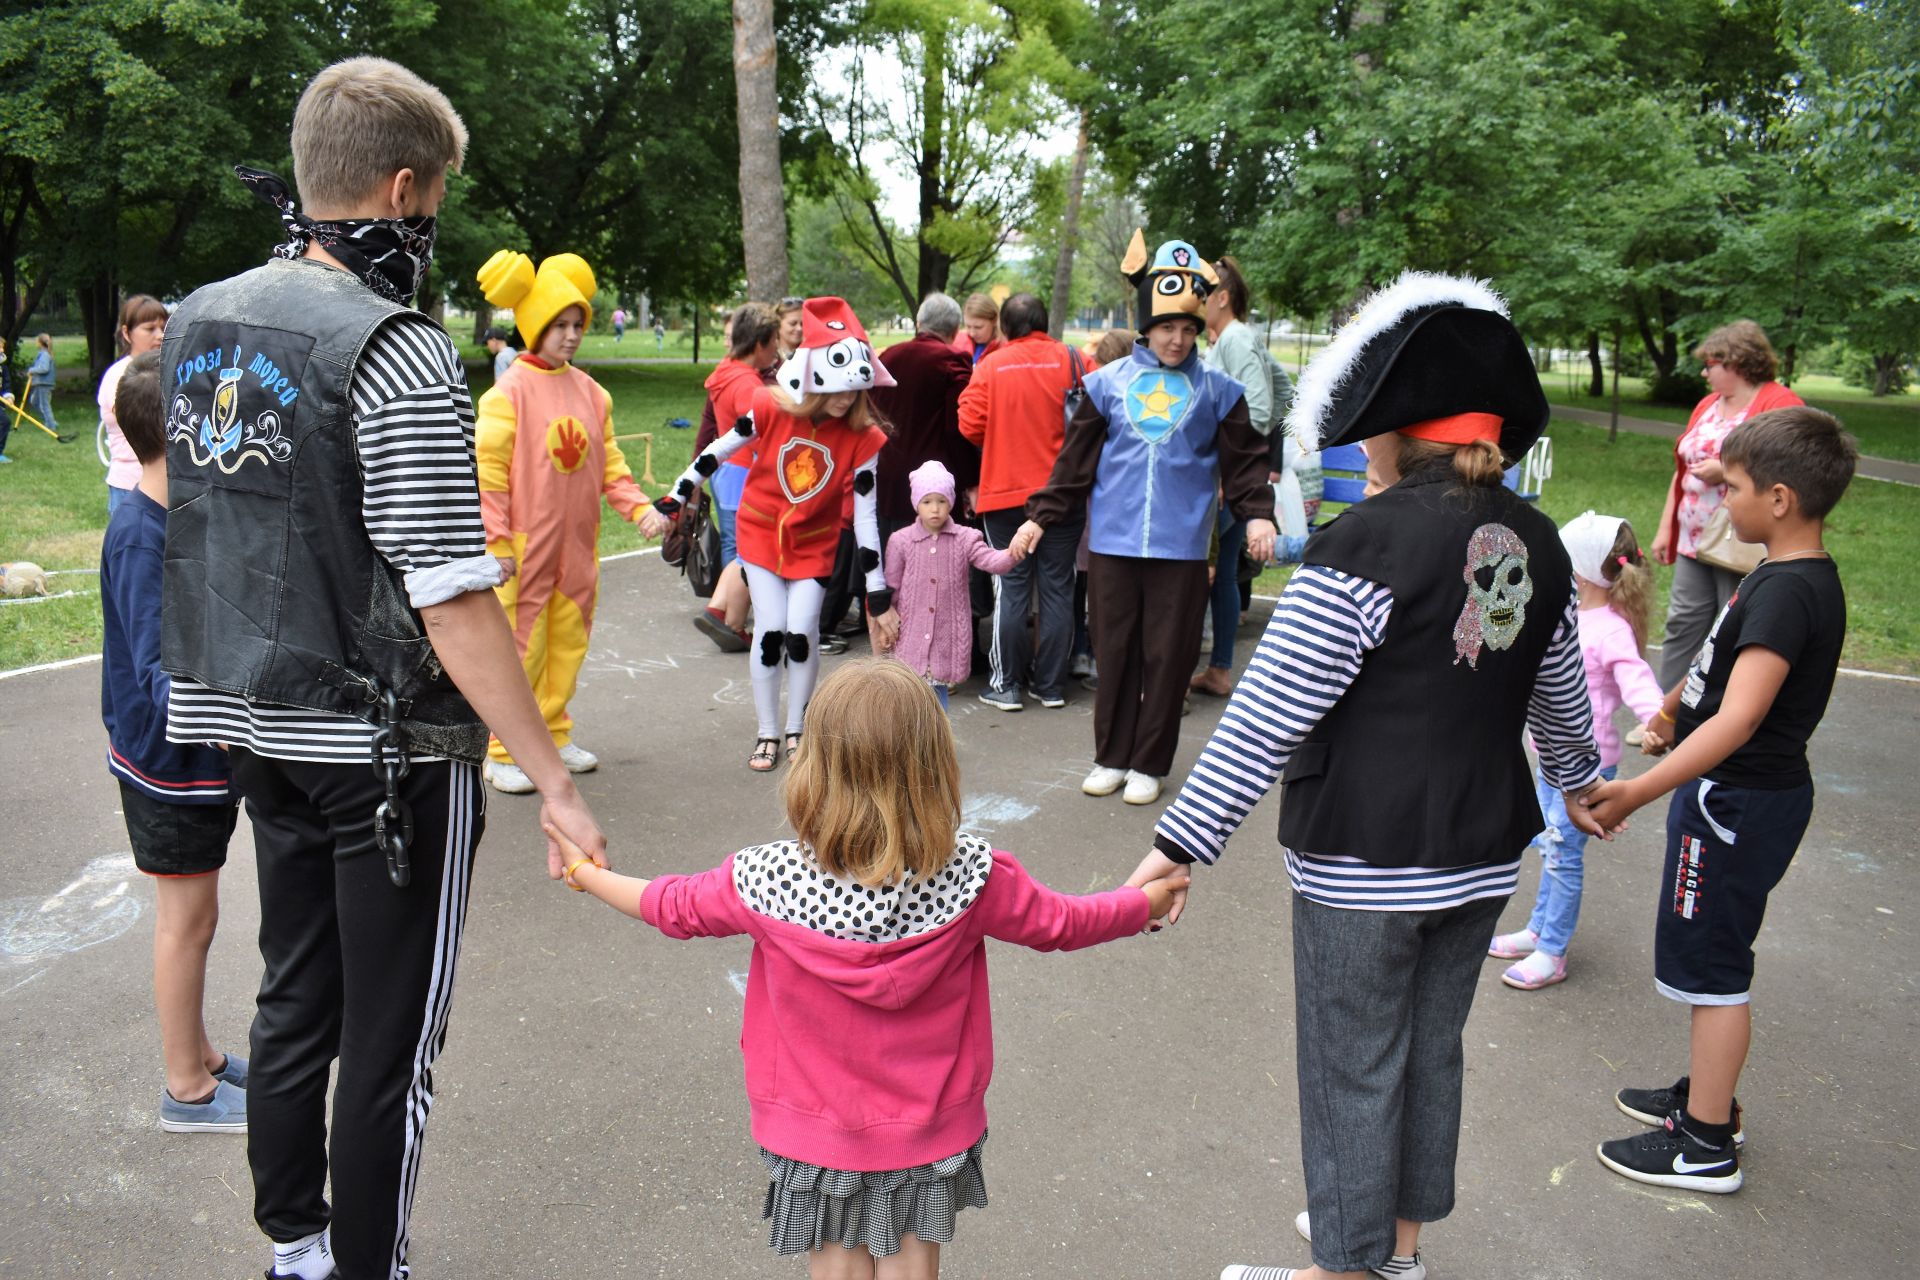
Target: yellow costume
546 455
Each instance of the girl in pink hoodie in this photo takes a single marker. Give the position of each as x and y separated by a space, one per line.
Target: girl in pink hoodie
867 1033
1616 591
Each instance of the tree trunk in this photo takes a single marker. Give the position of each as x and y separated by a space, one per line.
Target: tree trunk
1062 298
1597 384
935 266
482 321
1884 369
763 208
99 317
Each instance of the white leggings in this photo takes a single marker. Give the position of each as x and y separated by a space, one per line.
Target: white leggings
786 630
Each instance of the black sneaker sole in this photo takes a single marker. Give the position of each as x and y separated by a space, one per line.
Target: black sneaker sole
1654 1122
725 637
1725 1185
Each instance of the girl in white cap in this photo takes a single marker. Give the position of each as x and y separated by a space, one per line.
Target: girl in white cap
1616 594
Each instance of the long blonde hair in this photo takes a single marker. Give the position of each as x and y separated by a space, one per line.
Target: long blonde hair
1629 582
875 788
814 405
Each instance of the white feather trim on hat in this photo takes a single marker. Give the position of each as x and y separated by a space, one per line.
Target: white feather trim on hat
1327 373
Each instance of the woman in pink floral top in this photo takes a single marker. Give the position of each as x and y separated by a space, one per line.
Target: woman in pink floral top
927 570
1739 364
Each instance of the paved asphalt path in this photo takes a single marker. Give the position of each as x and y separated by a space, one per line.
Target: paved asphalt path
590 1121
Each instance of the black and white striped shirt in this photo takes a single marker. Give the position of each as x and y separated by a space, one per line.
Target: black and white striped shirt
1322 629
413 429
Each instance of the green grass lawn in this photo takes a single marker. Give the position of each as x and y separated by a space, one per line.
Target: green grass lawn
1885 426
53 511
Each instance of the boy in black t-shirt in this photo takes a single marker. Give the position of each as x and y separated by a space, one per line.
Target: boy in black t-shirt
1742 791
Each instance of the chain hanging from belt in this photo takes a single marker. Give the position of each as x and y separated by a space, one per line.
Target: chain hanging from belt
392 820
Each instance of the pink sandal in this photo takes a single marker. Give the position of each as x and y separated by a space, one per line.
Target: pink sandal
1536 971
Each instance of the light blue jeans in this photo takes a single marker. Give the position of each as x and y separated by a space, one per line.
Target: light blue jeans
1563 855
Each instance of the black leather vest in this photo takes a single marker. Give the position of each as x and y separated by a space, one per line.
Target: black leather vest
1421 762
273 590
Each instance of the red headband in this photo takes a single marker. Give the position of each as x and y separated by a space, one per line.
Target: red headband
1459 428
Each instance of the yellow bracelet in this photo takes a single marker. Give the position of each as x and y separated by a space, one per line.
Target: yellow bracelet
567 877
1664 716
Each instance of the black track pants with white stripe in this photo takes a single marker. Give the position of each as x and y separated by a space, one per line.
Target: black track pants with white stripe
355 969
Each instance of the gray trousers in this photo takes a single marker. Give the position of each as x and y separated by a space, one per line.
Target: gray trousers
1380 998
1699 593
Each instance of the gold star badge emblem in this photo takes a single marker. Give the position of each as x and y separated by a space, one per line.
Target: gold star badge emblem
1156 403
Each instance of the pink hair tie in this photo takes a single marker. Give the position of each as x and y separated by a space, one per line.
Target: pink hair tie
1624 563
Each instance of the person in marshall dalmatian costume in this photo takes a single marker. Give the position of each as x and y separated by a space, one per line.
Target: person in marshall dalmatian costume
1427 627
1154 436
815 438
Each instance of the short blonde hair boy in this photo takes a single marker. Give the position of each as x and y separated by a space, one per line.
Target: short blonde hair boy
360 122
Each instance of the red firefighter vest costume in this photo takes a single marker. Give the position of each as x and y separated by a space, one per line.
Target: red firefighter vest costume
797 485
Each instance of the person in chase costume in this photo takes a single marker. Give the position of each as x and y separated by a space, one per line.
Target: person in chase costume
1426 628
814 438
1155 434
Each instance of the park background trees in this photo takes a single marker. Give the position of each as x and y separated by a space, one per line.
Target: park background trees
1630 172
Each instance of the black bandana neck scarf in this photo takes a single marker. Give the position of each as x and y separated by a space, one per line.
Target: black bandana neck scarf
388 255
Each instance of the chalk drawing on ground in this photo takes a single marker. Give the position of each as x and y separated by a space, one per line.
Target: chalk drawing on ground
95 908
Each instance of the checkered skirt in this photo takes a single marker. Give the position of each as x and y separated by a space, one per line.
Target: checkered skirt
809 1206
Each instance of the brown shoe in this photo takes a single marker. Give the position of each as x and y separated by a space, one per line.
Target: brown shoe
1215 682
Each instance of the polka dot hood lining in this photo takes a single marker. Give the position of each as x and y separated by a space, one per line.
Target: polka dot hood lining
782 881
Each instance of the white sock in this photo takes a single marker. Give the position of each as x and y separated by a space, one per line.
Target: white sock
310 1258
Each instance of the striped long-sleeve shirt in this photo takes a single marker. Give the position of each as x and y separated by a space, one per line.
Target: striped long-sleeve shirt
413 430
1324 626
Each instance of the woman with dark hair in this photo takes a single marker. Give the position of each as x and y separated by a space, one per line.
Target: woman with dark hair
1739 364
143 322
1425 629
1235 351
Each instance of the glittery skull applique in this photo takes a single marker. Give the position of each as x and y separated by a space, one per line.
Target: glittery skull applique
1498 590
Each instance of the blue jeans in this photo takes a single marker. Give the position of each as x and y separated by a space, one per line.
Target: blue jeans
40 405
1563 854
114 498
1226 588
940 692
727 485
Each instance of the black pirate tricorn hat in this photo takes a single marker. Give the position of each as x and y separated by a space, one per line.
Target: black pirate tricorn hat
1426 347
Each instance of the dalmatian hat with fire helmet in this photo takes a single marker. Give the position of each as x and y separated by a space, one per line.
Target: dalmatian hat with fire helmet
1434 357
1173 286
834 354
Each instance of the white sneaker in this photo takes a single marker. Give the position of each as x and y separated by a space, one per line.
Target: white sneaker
1103 781
509 778
578 759
1142 788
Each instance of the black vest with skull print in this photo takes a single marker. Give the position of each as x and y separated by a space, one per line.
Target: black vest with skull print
1420 763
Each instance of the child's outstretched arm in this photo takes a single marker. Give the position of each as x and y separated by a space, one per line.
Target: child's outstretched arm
1020 909
1751 688
725 445
622 893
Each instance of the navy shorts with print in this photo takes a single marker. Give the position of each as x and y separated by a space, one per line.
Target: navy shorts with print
177 839
1727 847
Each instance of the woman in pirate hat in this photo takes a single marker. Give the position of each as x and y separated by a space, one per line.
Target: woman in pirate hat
1427 626
814 438
1153 437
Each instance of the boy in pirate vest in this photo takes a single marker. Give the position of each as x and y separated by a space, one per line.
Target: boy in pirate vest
1155 435
328 602
547 454
1425 628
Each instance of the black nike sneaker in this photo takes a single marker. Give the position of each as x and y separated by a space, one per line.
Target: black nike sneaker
1673 1156
1653 1106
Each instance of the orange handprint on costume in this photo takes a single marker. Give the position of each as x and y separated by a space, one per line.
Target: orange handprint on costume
566 444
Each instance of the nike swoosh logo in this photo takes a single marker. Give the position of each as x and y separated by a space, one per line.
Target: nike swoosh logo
1682 1165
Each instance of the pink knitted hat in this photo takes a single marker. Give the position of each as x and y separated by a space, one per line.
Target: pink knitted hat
930 477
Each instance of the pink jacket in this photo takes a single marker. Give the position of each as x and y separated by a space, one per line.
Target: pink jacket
876 1055
1616 673
928 574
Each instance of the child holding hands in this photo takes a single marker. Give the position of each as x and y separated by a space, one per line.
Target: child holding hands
1742 790
927 568
869 967
1616 591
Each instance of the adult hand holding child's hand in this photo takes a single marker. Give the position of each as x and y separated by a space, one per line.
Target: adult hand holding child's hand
1158 867
572 833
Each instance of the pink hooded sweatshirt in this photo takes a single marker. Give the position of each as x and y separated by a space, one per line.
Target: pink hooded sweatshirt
876 1055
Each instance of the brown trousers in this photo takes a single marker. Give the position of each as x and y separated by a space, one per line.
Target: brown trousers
1144 618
